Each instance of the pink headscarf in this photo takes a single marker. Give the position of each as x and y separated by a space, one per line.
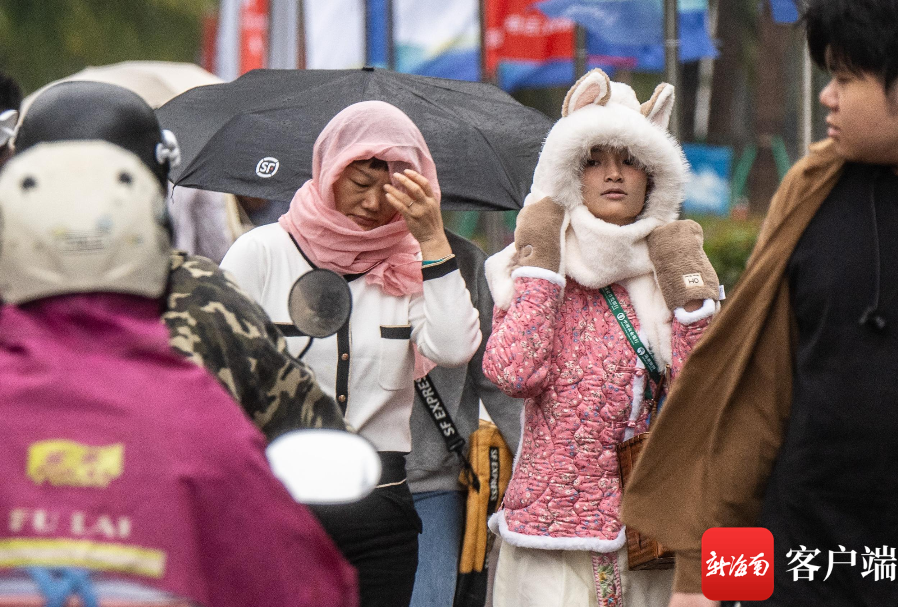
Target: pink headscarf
369 129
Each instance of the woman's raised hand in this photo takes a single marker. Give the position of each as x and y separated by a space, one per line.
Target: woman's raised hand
421 212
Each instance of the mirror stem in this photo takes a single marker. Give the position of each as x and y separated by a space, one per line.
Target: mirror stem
306 349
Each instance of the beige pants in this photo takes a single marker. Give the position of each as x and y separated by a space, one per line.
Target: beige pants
538 577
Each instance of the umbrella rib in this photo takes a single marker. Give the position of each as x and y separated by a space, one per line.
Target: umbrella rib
438 83
367 75
475 129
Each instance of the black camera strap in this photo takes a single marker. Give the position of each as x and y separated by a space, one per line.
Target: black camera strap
455 443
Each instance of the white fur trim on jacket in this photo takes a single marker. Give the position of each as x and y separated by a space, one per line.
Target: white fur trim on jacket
637 387
653 314
497 524
709 307
536 272
498 270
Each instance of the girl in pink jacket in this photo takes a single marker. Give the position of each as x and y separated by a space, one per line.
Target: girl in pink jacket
597 244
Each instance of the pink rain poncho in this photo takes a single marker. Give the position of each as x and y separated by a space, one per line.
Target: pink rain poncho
123 457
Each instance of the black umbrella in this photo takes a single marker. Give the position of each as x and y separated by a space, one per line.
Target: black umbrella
254 136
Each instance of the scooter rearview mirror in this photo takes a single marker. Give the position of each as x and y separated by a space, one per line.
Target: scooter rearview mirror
324 466
8 120
319 303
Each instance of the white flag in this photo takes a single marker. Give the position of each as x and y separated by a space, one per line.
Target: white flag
335 33
438 38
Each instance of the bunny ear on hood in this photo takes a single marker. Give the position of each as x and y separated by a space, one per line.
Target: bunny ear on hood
599 112
658 108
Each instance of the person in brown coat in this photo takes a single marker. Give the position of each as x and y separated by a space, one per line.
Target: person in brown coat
785 416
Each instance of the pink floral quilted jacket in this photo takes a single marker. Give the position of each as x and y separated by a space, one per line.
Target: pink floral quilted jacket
563 351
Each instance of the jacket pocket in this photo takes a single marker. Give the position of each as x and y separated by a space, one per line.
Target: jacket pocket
397 361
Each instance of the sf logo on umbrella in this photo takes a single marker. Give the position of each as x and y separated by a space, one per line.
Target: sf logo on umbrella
267 167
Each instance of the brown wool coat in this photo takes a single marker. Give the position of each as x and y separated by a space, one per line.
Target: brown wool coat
712 449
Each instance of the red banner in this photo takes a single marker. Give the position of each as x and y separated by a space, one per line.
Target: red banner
516 30
253 35
210 33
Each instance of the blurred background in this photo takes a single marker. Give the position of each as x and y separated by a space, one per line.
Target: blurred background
747 93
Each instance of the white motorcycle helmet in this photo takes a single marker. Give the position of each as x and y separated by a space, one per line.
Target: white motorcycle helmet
78 217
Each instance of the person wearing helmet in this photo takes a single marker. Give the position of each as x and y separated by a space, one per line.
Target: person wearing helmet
210 320
130 476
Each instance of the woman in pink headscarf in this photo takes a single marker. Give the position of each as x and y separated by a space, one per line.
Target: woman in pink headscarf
371 212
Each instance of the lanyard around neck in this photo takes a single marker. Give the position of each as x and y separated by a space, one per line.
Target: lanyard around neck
630 333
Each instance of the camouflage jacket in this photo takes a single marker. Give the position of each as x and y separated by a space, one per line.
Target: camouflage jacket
216 325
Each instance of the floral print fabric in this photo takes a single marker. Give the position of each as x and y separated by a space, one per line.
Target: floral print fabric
563 350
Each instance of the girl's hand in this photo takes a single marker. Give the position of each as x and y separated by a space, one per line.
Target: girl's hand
421 211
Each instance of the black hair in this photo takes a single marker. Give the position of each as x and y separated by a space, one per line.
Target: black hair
618 150
378 164
855 35
373 163
10 93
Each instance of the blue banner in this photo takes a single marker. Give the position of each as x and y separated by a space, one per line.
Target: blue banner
784 11
695 44
708 191
376 33
634 28
513 75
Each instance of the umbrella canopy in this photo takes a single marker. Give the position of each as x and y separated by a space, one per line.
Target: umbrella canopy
155 81
254 136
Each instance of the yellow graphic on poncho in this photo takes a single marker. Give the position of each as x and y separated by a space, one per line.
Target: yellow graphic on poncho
60 462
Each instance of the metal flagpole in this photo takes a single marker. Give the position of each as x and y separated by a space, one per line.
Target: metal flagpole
805 103
482 22
283 33
706 73
672 46
580 51
301 35
388 19
367 50
492 221
227 59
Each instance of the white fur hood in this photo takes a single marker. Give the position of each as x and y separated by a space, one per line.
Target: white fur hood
618 122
